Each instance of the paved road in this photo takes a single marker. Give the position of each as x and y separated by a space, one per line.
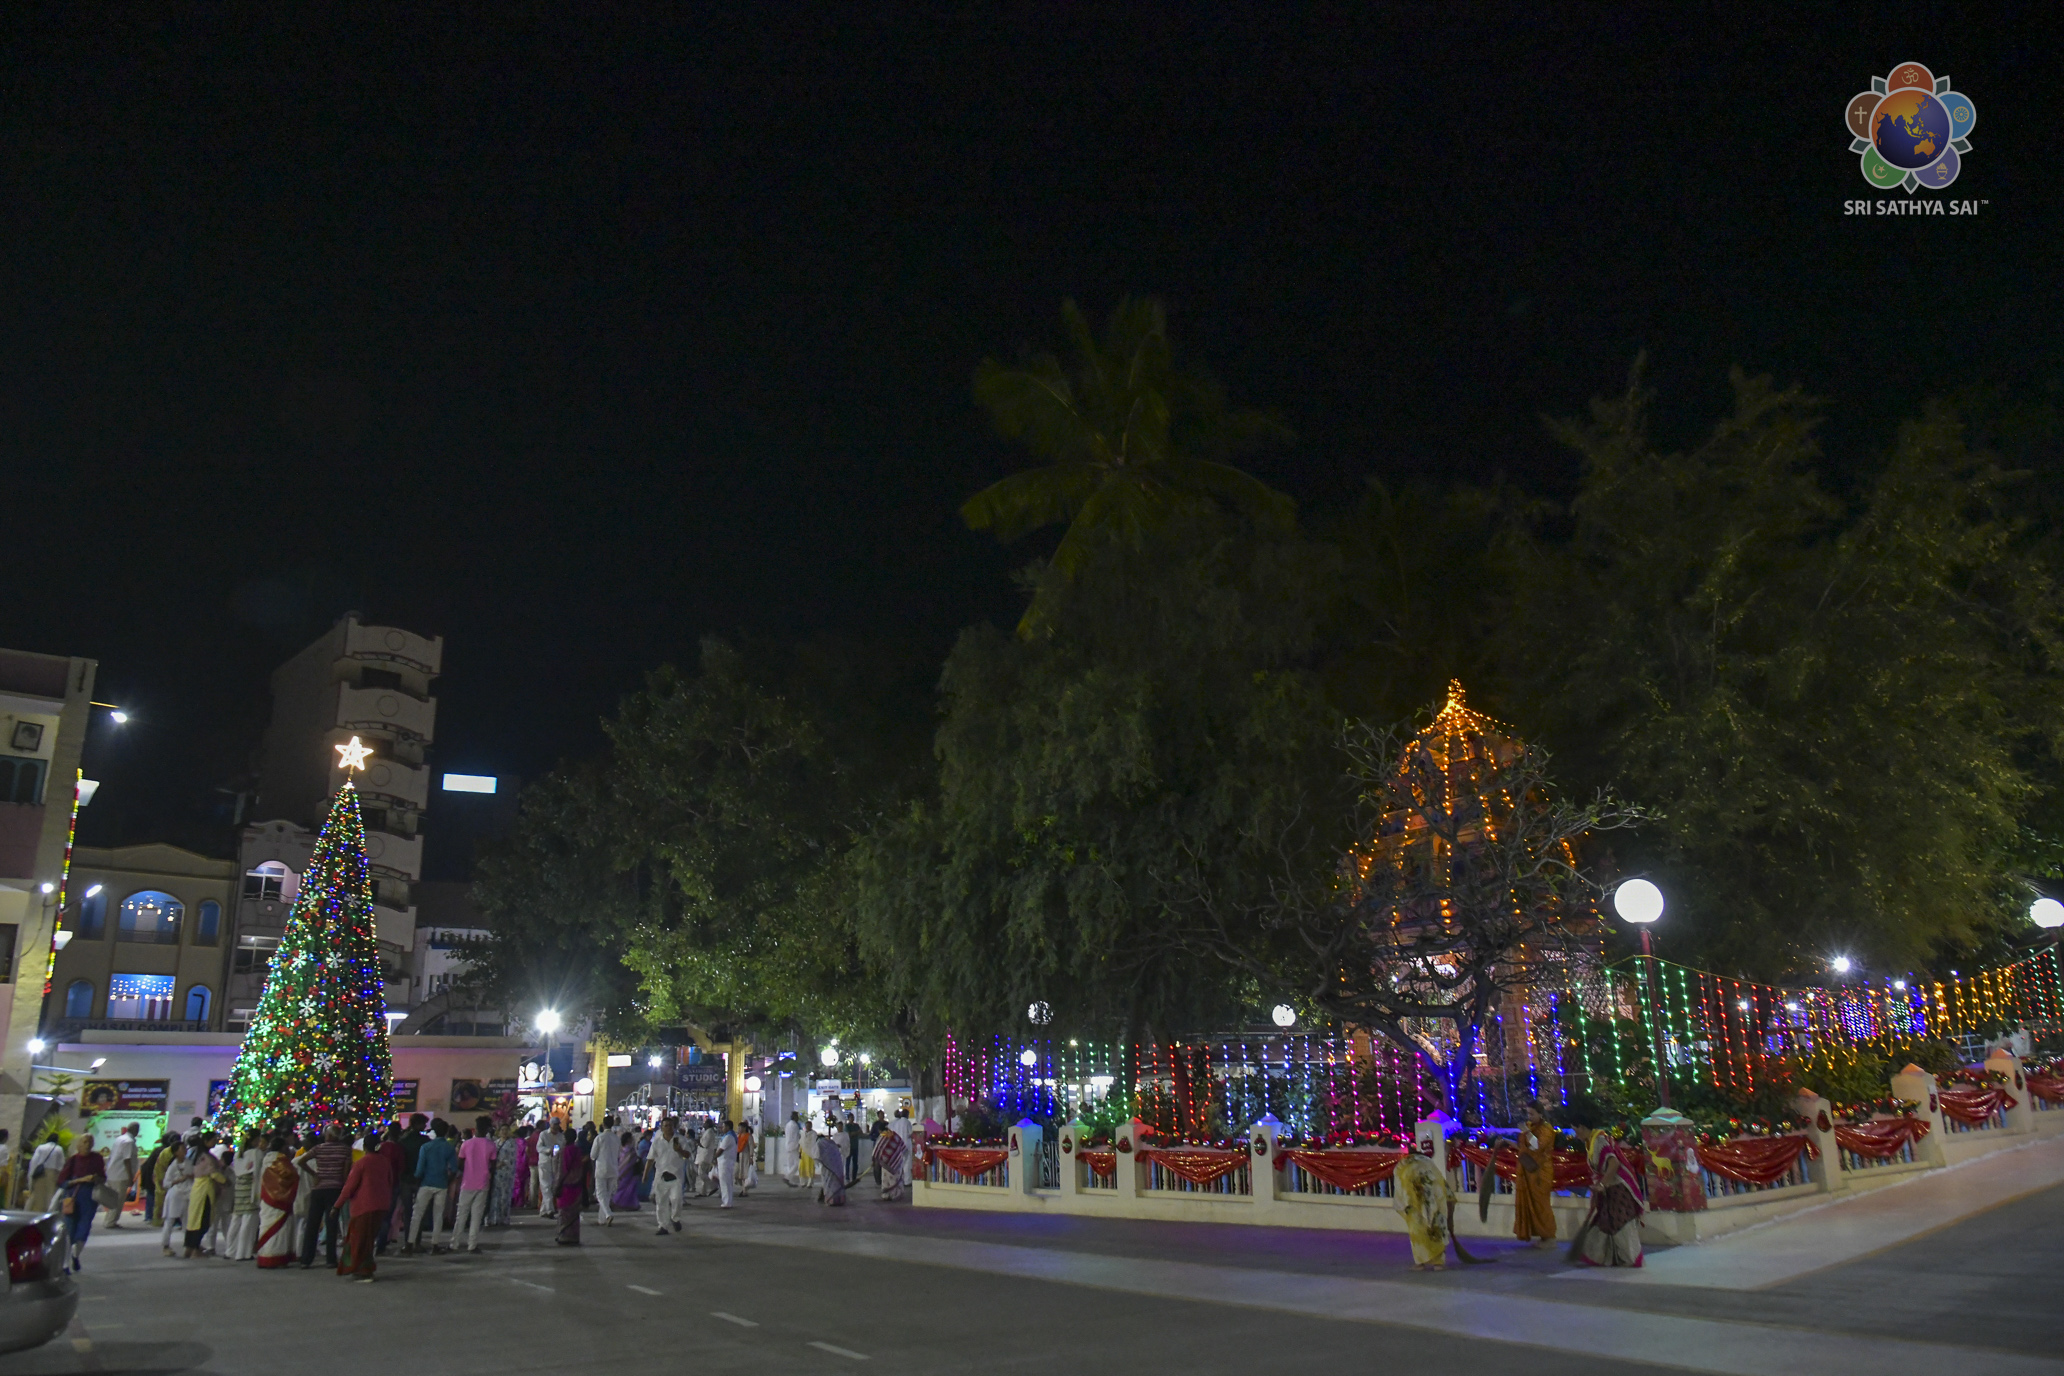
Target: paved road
779 1285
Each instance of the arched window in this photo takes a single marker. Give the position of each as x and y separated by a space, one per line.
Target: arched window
150 917
79 999
210 928
93 915
270 882
197 1003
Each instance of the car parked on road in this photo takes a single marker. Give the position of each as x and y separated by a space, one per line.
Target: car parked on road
41 1295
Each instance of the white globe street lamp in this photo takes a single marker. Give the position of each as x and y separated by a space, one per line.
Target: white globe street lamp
548 1020
2046 913
1283 1015
828 1057
752 1084
1028 1058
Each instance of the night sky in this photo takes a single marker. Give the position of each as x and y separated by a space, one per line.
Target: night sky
574 341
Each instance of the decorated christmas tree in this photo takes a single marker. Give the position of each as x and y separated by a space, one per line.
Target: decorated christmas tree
316 1052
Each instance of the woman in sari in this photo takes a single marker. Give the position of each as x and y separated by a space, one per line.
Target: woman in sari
1424 1197
831 1171
625 1199
1612 1234
571 1190
279 1186
207 1173
888 1157
507 1153
526 1167
240 1243
1533 1217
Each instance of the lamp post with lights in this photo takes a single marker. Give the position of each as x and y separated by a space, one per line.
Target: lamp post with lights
1639 903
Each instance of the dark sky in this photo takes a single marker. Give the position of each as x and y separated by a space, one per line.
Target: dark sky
574 339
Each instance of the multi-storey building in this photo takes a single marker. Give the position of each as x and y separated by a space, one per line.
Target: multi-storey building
45 704
372 682
149 941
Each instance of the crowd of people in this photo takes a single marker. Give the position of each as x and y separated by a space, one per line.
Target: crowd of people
426 1186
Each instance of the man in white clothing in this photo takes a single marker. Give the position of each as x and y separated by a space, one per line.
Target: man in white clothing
667 1168
727 1164
608 1143
548 1143
121 1170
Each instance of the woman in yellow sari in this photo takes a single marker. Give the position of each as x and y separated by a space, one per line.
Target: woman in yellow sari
1424 1197
1533 1220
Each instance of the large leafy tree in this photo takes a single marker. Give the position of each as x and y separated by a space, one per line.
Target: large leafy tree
1082 772
1126 439
1843 710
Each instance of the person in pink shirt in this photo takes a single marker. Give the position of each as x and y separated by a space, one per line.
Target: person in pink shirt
476 1173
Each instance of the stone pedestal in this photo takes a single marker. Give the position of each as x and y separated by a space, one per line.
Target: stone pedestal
1072 1137
1025 1136
1130 1136
1674 1184
1916 1086
1825 1171
2005 1064
1264 1141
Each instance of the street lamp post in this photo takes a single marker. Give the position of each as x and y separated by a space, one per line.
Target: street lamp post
1640 903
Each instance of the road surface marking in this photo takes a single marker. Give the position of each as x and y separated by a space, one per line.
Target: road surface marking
82 1344
837 1351
732 1318
643 1291
529 1284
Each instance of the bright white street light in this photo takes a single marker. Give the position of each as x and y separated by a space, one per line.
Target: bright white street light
1638 901
867 1058
1899 984
1028 1058
92 891
752 1084
47 887
36 1045
584 1085
548 1020
1283 1015
828 1057
2046 912
118 716
653 1061
1843 965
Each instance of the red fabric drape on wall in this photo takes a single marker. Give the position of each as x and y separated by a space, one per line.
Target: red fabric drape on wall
2049 1088
1100 1162
969 1162
1973 1103
1198 1165
1347 1170
1881 1140
1572 1171
1756 1160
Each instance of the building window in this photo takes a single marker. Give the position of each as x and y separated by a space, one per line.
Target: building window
197 1003
21 781
8 933
210 928
150 918
93 916
79 1000
270 882
140 998
250 961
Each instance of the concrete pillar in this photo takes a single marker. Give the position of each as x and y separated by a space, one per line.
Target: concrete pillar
1916 1086
1130 1136
1072 1138
2005 1064
1819 1114
1430 1140
1024 1156
1264 1142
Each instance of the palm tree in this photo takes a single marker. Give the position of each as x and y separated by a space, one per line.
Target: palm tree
1128 439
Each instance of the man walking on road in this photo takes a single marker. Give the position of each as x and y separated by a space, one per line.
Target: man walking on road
667 1168
548 1144
436 1160
476 1177
727 1164
603 1153
332 1166
121 1171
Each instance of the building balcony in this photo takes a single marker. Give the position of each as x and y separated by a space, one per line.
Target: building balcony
392 644
400 857
395 926
404 783
386 709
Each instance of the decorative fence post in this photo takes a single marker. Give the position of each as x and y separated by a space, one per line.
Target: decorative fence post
1024 1156
1127 1169
1264 1140
1071 1169
1917 1087
1826 1170
1430 1140
2005 1064
1674 1186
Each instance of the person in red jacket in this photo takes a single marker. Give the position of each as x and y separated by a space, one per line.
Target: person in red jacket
369 1194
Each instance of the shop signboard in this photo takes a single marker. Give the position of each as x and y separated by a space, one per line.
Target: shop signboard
125 1096
702 1085
402 1098
478 1096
